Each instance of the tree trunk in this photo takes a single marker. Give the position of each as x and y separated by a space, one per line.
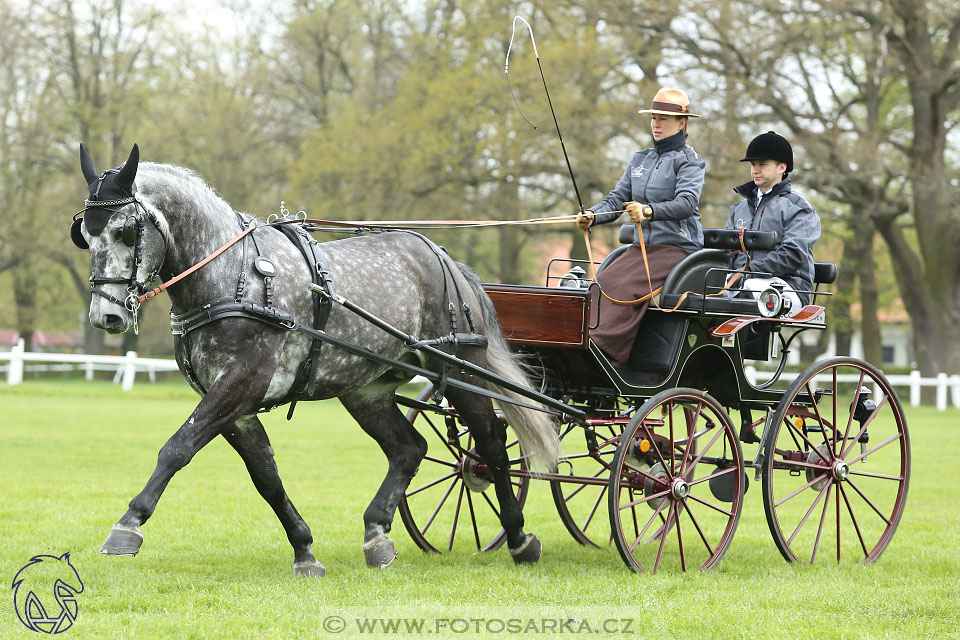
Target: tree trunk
869 322
25 295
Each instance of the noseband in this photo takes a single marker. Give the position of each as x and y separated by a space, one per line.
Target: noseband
132 236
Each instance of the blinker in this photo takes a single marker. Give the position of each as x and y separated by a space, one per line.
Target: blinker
130 231
76 235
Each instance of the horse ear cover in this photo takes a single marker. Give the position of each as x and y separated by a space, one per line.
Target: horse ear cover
86 165
128 172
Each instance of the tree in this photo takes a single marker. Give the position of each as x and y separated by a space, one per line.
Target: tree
870 104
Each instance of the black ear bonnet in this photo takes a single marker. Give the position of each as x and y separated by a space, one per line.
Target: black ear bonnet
110 187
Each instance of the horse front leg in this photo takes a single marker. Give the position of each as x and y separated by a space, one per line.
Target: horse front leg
490 436
250 440
228 399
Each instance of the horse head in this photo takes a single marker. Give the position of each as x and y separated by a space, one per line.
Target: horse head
125 238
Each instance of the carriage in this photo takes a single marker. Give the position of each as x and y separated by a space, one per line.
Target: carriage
655 464
653 445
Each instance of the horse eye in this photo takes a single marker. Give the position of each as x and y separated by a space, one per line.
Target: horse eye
129 233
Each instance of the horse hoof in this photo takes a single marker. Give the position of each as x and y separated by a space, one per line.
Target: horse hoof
122 541
309 569
379 552
528 552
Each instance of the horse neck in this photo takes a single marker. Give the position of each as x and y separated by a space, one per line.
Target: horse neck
199 223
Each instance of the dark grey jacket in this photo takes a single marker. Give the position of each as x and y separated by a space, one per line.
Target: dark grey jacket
668 177
797 225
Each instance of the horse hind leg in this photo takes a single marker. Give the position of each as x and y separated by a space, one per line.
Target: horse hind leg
490 437
250 440
377 413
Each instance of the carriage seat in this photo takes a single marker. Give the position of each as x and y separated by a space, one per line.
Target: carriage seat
705 271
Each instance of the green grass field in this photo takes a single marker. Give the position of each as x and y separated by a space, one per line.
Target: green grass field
215 562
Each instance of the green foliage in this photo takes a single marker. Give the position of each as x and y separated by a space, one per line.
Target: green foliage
215 562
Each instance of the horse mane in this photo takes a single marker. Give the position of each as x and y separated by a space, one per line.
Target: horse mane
170 182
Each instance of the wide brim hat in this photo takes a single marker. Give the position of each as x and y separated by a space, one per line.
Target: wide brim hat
671 102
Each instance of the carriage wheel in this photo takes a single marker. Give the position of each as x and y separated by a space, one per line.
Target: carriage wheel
676 488
452 497
587 453
837 464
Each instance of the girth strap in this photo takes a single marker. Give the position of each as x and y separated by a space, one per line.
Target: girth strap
304 381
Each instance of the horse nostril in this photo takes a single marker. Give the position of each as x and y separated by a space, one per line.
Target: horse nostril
112 321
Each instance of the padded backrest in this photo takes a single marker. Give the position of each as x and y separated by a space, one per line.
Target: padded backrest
693 272
728 239
824 272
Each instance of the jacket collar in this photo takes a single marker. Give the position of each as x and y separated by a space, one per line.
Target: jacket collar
747 189
674 142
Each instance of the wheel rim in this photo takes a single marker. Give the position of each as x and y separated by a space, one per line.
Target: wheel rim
837 468
580 505
663 512
452 501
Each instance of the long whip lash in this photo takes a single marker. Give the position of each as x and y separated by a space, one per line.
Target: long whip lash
506 71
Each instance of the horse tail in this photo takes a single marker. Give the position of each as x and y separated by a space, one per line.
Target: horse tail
536 429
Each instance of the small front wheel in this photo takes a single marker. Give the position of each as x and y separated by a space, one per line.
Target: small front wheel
677 483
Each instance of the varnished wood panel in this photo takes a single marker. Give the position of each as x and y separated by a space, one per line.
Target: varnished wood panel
542 315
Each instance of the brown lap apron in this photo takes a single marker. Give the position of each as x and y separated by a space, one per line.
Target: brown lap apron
626 279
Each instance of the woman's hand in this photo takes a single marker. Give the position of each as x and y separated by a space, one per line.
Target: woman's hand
638 212
584 220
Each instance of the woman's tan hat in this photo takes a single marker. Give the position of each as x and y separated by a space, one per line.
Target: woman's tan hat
671 102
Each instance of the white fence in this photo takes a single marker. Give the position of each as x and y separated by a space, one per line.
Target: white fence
946 386
125 367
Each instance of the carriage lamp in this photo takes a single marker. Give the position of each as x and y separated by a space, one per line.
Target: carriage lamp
574 279
864 409
772 302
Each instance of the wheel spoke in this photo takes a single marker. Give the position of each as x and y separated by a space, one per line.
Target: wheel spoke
443 439
801 489
696 524
596 505
430 484
683 556
803 520
853 519
473 521
640 534
445 463
716 474
439 506
882 476
691 430
634 503
870 451
863 428
823 518
823 424
868 501
485 497
856 399
712 506
663 538
567 498
456 517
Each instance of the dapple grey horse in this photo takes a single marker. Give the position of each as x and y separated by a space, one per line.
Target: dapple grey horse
146 219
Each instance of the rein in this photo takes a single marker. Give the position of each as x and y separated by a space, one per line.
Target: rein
654 292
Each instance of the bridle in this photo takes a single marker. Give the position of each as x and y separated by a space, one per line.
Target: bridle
132 236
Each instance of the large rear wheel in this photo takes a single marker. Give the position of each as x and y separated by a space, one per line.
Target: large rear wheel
452 499
677 483
836 464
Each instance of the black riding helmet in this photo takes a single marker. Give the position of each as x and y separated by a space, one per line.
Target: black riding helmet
770 146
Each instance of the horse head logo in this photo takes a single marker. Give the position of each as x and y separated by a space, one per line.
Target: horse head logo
45 593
